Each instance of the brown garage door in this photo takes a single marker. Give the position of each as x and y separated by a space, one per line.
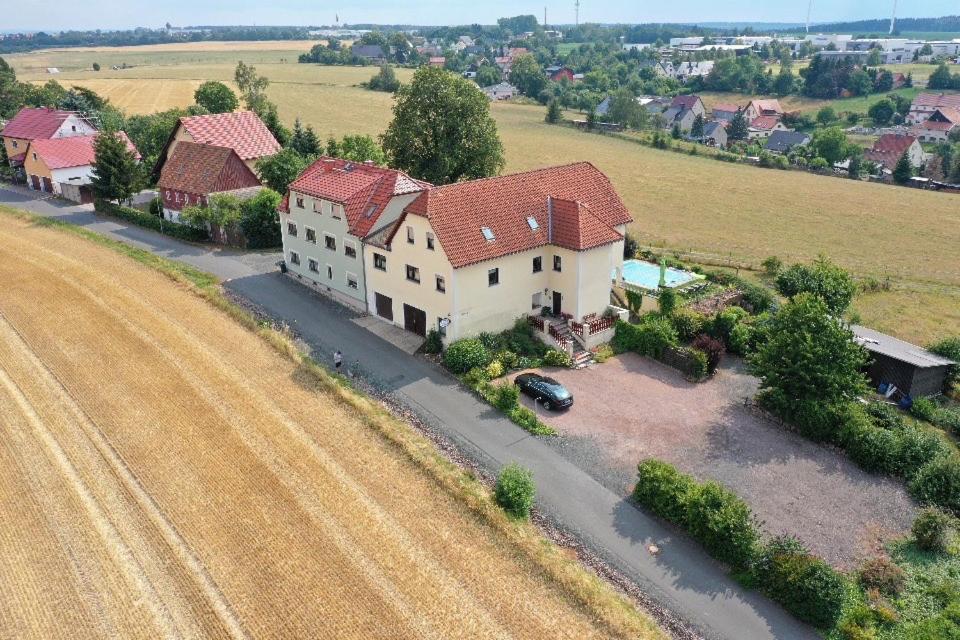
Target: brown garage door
47 185
35 182
415 320
384 306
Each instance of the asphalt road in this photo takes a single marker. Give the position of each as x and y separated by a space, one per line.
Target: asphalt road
681 577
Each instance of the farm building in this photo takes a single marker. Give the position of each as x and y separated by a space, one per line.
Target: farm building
40 124
914 370
242 131
64 166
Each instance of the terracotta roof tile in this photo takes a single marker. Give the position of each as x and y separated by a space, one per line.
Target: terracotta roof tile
364 190
726 108
76 151
31 123
764 122
205 168
685 101
770 106
458 212
893 143
937 100
242 131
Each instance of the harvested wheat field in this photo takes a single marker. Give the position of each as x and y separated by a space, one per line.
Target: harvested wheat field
164 472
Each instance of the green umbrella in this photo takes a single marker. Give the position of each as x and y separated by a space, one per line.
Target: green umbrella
663 272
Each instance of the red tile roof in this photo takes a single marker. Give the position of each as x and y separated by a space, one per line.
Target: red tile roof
764 122
771 106
31 124
726 108
937 100
933 125
76 151
893 143
242 131
364 190
949 113
574 206
205 168
685 102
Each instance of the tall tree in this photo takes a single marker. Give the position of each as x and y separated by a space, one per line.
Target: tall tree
361 148
823 279
739 127
830 144
116 174
624 109
280 169
696 129
527 75
384 80
442 131
903 171
216 97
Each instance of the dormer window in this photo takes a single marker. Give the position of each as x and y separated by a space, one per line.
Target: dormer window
534 225
488 234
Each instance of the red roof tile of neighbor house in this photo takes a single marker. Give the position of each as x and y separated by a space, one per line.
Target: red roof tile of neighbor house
949 113
242 131
726 108
32 124
205 168
893 143
76 151
363 189
768 107
685 102
573 206
937 100
764 122
934 125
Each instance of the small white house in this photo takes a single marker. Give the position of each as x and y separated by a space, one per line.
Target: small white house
502 91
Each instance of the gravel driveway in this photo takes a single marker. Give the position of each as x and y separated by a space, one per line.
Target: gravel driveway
631 408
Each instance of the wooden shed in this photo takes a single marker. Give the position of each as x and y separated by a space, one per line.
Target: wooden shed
914 370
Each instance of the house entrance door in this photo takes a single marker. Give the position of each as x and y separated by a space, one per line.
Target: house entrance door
557 299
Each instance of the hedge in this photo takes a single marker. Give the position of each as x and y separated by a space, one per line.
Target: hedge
803 584
139 218
464 355
663 490
649 338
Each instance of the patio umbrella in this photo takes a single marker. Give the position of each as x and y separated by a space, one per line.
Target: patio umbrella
663 272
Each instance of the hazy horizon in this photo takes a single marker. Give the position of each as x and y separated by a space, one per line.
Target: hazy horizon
111 14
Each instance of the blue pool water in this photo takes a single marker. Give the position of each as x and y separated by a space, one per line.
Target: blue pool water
647 275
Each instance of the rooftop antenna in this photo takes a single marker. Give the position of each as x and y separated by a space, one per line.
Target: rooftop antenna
893 18
809 7
576 9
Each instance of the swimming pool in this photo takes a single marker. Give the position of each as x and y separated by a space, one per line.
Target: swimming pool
647 275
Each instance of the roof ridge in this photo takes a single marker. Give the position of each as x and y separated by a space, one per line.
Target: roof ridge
518 173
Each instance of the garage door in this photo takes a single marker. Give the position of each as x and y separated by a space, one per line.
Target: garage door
35 182
47 185
384 306
415 320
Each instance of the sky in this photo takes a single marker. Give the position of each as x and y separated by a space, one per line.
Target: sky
121 14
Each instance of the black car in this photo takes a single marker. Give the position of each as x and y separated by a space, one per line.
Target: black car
547 391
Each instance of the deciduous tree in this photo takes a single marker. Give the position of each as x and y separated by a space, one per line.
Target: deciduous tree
216 97
442 130
527 75
823 279
280 169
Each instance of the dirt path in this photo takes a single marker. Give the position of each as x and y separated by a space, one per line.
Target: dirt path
170 476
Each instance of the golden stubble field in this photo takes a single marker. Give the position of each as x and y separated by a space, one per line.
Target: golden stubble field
165 473
679 202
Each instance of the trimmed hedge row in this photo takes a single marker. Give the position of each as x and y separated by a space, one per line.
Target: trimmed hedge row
139 218
723 523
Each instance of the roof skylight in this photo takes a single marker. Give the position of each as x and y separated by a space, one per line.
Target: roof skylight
534 225
487 233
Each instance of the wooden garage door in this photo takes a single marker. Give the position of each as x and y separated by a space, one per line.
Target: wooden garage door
415 320
47 185
35 182
384 306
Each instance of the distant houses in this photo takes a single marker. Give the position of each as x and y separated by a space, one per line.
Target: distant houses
724 112
764 127
758 108
40 124
925 104
372 53
783 142
938 126
501 91
888 149
715 134
64 166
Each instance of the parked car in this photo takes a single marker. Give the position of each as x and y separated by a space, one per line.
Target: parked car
547 391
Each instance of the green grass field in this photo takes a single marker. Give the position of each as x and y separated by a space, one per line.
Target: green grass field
727 211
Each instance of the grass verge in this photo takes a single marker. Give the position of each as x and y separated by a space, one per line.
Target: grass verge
586 590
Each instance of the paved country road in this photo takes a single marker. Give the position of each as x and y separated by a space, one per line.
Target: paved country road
681 577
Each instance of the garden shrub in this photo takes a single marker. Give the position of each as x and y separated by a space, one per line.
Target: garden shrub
557 358
938 483
137 217
508 359
603 353
822 422
463 355
924 409
476 376
740 338
884 415
700 367
515 490
805 585
759 298
723 523
710 347
873 449
933 529
649 338
949 348
883 575
915 448
662 489
528 421
724 322
434 342
772 265
687 323
857 624
494 369
667 301
506 395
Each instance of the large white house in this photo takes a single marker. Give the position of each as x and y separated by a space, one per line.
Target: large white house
329 210
475 256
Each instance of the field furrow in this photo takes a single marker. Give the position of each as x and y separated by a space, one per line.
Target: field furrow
228 493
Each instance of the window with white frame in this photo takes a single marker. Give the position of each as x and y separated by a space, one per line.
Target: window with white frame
380 261
313 265
294 258
350 248
291 227
329 242
352 280
311 235
413 274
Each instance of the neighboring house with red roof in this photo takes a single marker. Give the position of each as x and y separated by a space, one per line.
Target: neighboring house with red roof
758 108
328 212
475 256
725 112
50 164
437 61
689 102
40 124
194 172
938 126
242 131
925 104
888 148
764 126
